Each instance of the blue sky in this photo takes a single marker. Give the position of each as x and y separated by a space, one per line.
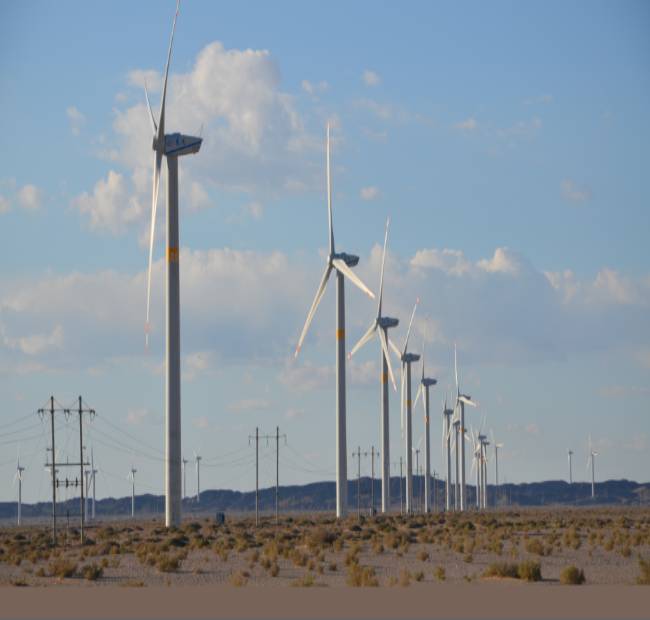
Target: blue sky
507 142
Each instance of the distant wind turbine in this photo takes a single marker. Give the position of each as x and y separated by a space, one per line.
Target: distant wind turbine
18 477
570 456
380 327
446 439
341 263
132 474
591 458
407 359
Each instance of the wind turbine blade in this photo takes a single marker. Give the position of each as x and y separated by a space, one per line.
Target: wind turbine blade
365 338
393 346
417 395
467 401
314 305
354 278
456 369
154 126
384 347
329 194
408 333
383 261
154 204
161 116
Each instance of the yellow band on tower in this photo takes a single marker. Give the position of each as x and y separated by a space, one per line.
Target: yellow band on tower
408 402
340 334
172 255
384 377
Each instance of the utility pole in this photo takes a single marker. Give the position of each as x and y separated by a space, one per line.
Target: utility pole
372 479
358 455
277 473
257 473
133 472
87 473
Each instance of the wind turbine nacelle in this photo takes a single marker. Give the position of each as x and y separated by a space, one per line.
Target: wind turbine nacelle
386 322
429 382
411 357
177 144
349 259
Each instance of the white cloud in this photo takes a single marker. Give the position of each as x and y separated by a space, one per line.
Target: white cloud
369 193
198 363
611 287
383 111
541 99
469 124
29 197
249 404
370 78
76 118
111 207
145 77
138 415
5 205
34 344
201 422
503 261
254 210
572 193
449 261
314 88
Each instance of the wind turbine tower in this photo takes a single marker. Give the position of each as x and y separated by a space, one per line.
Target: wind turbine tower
592 455
94 472
380 327
185 461
570 456
172 146
446 437
461 401
342 264
19 478
407 359
457 472
198 478
423 389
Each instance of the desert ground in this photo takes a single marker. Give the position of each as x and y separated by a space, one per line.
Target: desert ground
433 558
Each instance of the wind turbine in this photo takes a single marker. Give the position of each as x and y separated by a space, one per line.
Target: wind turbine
461 400
423 389
484 459
18 477
496 467
456 426
185 462
198 477
94 473
407 427
446 438
591 456
570 456
131 475
172 146
380 327
477 465
341 263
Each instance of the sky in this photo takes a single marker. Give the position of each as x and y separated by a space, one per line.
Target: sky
506 141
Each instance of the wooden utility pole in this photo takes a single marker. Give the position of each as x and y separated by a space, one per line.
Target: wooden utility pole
358 455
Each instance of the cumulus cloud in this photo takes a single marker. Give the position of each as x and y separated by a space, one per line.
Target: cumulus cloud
369 193
469 124
314 88
29 197
255 140
34 344
249 404
76 119
370 78
572 193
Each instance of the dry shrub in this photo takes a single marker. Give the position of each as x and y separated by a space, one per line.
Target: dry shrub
440 573
168 563
502 569
423 556
572 576
238 579
418 575
361 576
274 570
19 582
404 577
535 546
92 572
529 570
63 568
644 577
306 581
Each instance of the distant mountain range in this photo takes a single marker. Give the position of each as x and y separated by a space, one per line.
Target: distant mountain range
320 496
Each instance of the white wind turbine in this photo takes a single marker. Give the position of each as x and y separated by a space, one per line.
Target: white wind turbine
590 459
172 146
446 450
461 401
497 447
407 359
476 464
423 389
198 458
569 454
380 327
341 263
18 477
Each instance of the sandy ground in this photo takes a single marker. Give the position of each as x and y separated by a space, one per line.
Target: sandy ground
430 566
503 601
